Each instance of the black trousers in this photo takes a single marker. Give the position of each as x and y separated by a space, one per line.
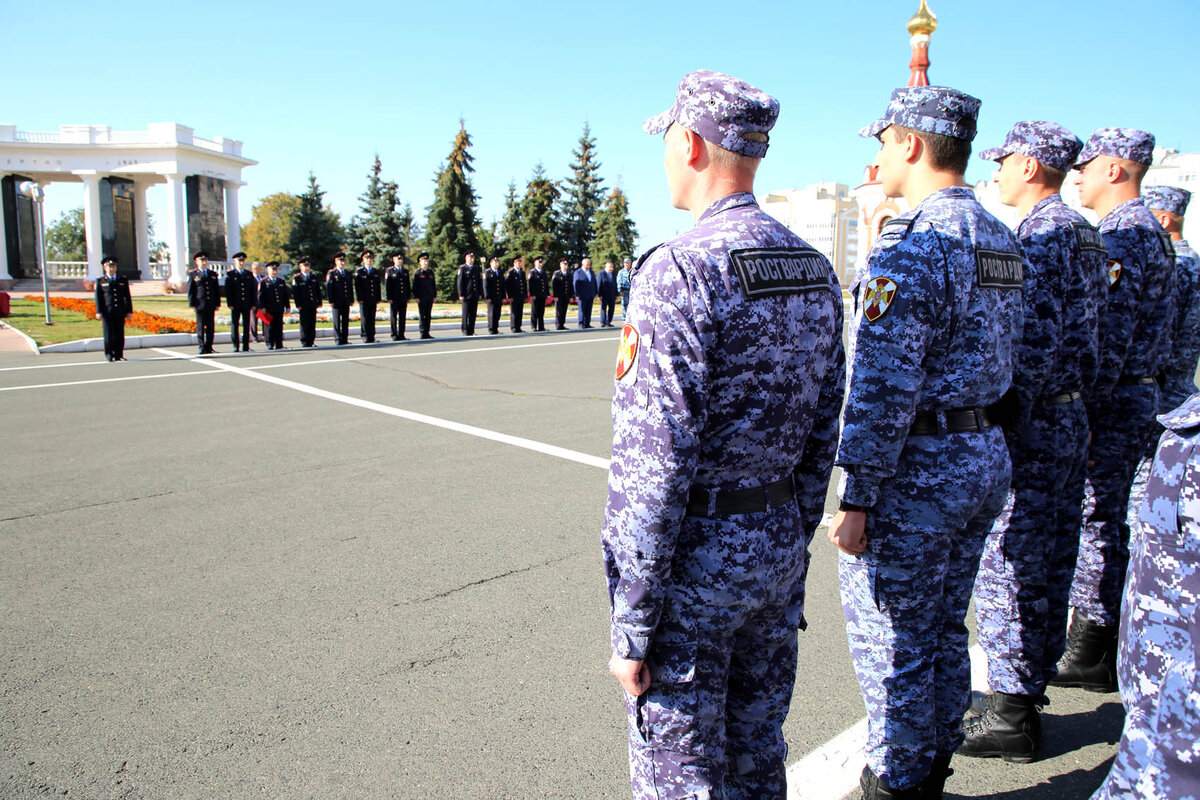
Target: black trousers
537 313
425 310
341 323
114 336
607 309
493 312
561 305
366 321
239 323
516 315
275 329
585 312
254 322
204 329
399 319
308 326
470 310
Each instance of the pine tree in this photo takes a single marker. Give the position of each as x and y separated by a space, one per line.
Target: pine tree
537 229
510 224
451 221
583 196
378 227
317 231
614 232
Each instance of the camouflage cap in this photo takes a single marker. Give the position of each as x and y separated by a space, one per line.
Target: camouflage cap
1048 142
721 109
1127 143
1167 198
933 109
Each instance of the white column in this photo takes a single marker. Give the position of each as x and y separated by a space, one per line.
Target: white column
4 273
177 229
233 225
91 221
140 229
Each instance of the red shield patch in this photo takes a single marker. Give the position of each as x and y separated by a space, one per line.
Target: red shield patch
878 294
1114 272
627 354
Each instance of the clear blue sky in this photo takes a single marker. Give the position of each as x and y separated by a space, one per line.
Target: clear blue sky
324 86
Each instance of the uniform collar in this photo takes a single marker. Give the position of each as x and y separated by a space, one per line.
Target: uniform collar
728 202
1038 207
949 193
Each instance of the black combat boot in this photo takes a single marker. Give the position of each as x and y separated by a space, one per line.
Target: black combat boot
1010 727
1091 658
935 782
875 789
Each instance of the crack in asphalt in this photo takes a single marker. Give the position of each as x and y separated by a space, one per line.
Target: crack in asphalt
482 581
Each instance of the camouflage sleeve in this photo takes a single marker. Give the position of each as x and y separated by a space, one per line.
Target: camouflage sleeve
812 473
1120 309
1083 302
1166 309
1042 328
658 415
895 313
1186 341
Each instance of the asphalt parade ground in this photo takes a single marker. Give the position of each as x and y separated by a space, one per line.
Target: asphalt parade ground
369 571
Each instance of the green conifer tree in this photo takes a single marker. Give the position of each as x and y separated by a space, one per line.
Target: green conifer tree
317 231
510 224
614 232
451 221
378 226
583 195
537 231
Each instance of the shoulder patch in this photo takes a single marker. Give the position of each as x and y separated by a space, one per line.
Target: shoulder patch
1167 246
768 271
895 230
1114 272
1088 237
878 296
999 270
627 352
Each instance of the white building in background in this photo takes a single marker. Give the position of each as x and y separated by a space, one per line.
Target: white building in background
825 216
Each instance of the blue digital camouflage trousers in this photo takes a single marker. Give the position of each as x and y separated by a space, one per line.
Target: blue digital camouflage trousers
1119 433
906 596
722 662
1021 594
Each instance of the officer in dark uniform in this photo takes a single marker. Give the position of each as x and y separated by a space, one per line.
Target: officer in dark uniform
399 291
493 292
339 290
274 300
517 288
114 306
468 285
241 289
539 290
606 290
584 284
560 287
204 295
926 468
368 286
306 293
424 286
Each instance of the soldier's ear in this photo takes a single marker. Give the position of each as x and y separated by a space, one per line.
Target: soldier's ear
913 146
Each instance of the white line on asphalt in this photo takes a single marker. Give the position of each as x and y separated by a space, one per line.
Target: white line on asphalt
71 364
104 380
458 427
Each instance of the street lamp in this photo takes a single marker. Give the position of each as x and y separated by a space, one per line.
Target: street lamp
34 192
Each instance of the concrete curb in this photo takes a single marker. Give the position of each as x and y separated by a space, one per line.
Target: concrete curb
28 341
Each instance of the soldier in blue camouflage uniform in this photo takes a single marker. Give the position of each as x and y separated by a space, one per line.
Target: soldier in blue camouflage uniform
1159 754
728 383
1169 205
1135 334
1024 577
937 318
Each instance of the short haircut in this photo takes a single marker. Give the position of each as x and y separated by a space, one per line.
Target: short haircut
1136 169
729 160
946 153
1054 177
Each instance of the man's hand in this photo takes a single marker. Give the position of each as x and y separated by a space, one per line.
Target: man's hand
849 532
634 676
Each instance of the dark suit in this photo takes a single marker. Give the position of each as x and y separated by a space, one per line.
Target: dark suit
606 288
585 290
368 285
254 281
241 293
204 295
275 299
469 289
517 288
560 287
539 290
113 304
493 292
399 291
306 292
425 289
339 290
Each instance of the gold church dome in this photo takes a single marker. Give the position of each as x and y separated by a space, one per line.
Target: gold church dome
924 21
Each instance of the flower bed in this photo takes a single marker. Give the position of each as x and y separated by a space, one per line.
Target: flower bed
152 323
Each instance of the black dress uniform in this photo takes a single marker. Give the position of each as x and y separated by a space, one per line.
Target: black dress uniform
241 291
204 295
560 287
517 289
493 292
339 290
399 291
306 293
469 288
275 299
425 289
113 304
539 290
368 285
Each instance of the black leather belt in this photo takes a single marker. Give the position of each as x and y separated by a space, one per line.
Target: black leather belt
958 420
1135 381
1061 399
740 501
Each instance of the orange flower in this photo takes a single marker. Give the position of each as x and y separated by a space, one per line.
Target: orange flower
152 323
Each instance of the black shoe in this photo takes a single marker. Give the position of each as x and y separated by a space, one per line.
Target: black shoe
935 782
1010 728
426 336
875 789
1091 658
108 358
403 338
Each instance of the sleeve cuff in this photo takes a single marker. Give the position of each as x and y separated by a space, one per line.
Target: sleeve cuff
858 490
632 647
